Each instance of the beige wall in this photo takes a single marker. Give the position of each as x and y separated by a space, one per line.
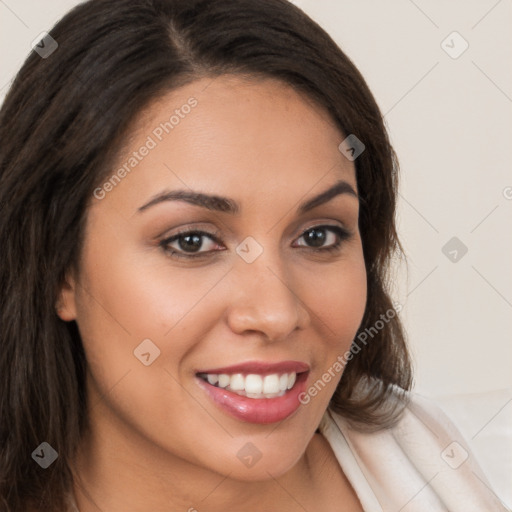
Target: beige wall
450 120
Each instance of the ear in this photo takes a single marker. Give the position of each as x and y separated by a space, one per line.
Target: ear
66 301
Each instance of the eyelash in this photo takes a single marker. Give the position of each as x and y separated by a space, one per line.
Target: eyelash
341 233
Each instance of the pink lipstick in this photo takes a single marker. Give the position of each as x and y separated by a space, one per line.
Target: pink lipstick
256 392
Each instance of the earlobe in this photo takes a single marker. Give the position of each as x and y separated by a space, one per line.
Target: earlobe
66 304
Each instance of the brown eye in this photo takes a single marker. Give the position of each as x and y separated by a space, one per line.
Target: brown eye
190 244
323 237
316 237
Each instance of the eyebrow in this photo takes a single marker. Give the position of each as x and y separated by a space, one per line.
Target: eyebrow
226 205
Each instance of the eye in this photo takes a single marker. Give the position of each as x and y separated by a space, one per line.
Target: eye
194 243
323 237
190 244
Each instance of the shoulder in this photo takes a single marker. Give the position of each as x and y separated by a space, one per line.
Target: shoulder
422 460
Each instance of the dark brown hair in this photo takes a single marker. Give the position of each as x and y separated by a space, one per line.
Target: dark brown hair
61 127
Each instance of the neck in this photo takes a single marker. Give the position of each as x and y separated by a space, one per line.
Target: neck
118 470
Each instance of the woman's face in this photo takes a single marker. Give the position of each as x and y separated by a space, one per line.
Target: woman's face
220 255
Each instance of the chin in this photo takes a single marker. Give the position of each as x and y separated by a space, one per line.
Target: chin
261 457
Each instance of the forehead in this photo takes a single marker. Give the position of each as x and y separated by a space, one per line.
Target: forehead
231 136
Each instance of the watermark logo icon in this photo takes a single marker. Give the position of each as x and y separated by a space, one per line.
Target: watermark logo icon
454 45
351 147
45 455
249 455
454 249
454 455
44 45
249 249
146 352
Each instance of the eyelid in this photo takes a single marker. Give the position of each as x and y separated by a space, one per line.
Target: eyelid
185 230
326 223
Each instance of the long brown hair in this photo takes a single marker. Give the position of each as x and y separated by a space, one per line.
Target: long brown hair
61 126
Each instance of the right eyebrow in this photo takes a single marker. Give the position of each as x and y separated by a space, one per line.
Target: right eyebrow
210 202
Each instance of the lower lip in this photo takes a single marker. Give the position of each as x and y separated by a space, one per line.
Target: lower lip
257 410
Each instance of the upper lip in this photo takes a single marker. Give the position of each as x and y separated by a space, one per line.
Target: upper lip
260 367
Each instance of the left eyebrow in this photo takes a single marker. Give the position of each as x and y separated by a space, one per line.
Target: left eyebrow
339 188
224 204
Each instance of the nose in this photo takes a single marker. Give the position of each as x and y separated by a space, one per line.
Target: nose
263 300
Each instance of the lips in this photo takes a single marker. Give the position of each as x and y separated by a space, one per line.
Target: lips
256 392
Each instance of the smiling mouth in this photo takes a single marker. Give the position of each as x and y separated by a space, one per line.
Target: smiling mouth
258 392
252 385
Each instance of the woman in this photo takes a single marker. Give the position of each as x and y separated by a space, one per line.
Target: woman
197 219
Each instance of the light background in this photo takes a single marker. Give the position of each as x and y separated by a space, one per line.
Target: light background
450 122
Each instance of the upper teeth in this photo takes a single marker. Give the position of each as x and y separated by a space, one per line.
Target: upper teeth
253 385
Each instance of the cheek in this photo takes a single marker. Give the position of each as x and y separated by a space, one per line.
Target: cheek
125 303
337 304
338 298
132 295
124 299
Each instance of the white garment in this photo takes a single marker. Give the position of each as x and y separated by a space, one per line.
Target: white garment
422 464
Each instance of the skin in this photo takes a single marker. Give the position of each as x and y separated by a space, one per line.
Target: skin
156 441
